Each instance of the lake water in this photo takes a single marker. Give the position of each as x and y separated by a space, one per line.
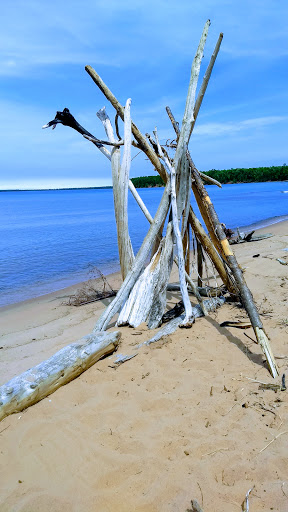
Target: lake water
50 239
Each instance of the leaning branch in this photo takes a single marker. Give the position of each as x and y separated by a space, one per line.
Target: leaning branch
136 132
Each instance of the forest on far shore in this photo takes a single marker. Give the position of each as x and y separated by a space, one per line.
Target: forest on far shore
251 175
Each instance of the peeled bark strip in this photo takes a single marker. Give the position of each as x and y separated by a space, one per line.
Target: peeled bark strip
147 300
120 177
35 384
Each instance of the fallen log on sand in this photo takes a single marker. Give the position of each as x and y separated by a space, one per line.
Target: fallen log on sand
170 327
42 380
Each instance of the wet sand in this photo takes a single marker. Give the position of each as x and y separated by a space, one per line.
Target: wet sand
182 420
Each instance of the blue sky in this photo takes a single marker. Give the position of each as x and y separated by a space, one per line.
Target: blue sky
142 50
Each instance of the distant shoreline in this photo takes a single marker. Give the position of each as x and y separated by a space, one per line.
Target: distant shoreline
47 189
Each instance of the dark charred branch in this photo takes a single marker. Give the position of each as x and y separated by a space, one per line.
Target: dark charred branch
67 119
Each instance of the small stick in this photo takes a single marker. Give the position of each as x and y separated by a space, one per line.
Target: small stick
254 341
274 439
215 451
283 490
245 504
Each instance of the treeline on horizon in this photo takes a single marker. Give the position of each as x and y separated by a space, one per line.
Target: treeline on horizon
251 175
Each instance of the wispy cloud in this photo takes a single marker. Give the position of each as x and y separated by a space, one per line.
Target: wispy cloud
36 34
232 127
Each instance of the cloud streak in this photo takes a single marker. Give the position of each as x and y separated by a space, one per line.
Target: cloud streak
231 128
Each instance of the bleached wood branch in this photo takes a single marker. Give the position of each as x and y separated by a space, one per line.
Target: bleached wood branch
120 177
205 81
139 262
188 117
189 319
35 384
197 227
147 300
140 202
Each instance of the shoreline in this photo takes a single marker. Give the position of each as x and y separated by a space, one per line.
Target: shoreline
188 408
73 286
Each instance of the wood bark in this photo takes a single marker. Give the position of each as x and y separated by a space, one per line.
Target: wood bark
199 263
35 384
147 300
120 178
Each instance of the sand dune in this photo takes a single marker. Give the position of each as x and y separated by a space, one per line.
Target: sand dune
181 420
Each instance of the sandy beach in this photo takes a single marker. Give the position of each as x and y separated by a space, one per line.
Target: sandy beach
183 420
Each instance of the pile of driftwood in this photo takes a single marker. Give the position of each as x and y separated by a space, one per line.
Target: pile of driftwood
142 296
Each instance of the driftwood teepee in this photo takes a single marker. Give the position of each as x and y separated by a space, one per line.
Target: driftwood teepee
142 296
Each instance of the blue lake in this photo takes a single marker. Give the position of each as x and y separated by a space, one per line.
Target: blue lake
50 239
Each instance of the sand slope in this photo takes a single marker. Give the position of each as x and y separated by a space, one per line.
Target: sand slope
179 421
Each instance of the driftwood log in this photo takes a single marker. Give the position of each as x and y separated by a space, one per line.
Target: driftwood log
170 327
142 294
147 300
35 384
216 231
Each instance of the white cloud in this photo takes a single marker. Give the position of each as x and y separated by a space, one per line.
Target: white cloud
232 127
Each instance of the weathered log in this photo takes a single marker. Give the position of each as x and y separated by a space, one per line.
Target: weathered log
35 384
139 262
147 300
120 178
245 294
204 291
170 327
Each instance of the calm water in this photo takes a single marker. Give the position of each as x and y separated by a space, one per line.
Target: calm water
49 239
